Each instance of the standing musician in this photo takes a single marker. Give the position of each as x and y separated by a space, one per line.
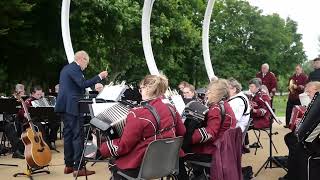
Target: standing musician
297 160
269 79
259 110
315 74
189 93
213 127
296 87
72 85
140 129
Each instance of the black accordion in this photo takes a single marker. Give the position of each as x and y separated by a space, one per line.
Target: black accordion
309 127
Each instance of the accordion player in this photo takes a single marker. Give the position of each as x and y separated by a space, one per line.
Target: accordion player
153 120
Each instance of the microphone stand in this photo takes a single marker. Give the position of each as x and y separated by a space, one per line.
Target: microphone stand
270 159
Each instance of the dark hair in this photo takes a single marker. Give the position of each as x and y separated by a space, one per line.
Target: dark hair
317 59
35 88
256 81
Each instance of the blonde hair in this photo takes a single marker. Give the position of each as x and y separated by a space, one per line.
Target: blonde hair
217 91
191 88
315 84
156 85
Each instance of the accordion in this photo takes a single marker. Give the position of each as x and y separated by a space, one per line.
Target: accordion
309 127
196 110
49 101
110 118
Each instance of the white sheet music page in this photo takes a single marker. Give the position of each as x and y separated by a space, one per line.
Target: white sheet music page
112 93
178 103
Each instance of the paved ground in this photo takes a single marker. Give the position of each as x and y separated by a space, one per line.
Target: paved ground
56 166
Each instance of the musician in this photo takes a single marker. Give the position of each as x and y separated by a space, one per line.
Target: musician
72 86
98 87
181 85
19 90
213 127
259 110
315 75
53 126
297 160
269 79
140 130
296 87
239 103
189 93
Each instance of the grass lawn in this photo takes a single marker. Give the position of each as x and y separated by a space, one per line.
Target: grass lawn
279 104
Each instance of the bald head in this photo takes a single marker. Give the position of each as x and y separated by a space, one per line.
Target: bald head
82 58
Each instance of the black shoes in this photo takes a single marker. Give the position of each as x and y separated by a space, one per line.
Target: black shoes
285 177
245 150
254 145
18 154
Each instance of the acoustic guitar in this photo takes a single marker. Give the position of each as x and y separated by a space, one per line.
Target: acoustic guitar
37 153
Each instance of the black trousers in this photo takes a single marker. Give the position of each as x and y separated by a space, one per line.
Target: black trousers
197 170
290 104
13 132
114 169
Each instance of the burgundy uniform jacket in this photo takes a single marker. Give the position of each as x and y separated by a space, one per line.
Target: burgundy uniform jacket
299 80
201 142
268 80
21 111
262 114
139 132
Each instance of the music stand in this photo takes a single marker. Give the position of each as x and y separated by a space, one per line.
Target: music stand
8 106
271 158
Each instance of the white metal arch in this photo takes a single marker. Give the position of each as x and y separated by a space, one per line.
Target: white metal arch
145 31
205 40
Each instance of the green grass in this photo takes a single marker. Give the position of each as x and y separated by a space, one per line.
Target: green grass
279 104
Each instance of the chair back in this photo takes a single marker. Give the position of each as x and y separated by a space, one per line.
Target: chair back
161 158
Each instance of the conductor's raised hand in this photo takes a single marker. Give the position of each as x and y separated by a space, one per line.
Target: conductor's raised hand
103 74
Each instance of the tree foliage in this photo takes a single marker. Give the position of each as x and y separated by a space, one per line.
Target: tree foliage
241 39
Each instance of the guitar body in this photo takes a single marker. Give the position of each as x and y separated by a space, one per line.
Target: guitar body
37 153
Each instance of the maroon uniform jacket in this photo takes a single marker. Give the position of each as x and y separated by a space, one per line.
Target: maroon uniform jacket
201 142
299 80
21 111
139 132
268 80
262 114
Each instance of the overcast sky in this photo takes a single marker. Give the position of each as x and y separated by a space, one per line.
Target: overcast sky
306 13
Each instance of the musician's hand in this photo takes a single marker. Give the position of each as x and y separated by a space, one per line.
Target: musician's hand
295 86
103 74
301 86
25 115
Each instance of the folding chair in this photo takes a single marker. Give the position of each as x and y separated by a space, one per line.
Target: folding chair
309 159
161 159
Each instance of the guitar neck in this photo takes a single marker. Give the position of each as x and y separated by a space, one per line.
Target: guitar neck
27 114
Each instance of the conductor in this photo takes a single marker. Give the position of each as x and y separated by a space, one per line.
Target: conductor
72 86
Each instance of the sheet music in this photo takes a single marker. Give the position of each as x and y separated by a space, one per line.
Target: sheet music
178 103
304 99
97 108
112 93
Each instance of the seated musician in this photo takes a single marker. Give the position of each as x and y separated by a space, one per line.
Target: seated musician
297 160
19 90
189 93
259 110
240 105
215 124
37 93
140 130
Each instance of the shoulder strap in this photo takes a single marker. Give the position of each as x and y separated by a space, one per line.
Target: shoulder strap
155 115
173 114
245 104
222 112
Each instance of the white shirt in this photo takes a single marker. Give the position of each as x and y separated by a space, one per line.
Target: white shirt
238 107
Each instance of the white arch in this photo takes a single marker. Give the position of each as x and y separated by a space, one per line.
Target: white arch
65 29
205 40
146 39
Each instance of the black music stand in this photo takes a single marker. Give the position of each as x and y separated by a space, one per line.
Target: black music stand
43 113
271 158
8 106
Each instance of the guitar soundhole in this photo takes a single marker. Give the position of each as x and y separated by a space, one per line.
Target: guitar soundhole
36 139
